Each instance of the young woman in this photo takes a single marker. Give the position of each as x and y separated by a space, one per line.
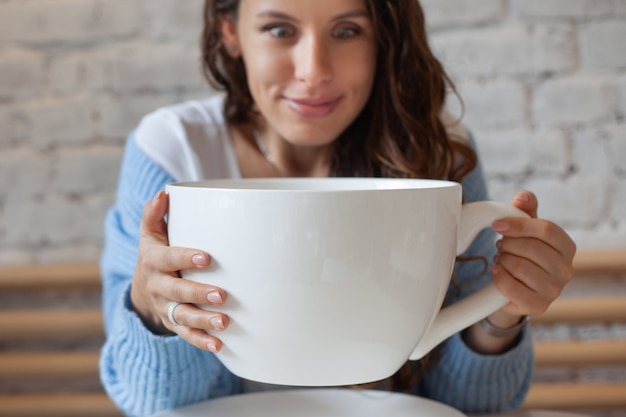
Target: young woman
311 88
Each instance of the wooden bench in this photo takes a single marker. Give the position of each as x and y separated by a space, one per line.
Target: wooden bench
577 354
49 357
65 372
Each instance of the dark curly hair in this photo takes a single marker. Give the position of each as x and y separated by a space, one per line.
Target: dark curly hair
399 133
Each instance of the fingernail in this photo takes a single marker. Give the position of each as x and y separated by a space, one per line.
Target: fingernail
500 226
211 346
522 197
499 243
217 322
496 259
495 270
156 198
214 297
199 259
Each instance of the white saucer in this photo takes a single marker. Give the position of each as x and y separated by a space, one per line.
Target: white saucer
323 402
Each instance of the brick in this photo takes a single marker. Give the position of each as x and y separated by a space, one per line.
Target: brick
620 8
97 206
513 49
620 92
67 73
21 72
68 253
89 70
60 121
144 67
173 19
13 256
118 116
485 52
599 237
86 170
550 153
579 200
561 9
73 21
555 48
591 152
598 45
14 124
618 205
494 105
616 136
440 14
572 101
24 171
500 188
504 153
45 220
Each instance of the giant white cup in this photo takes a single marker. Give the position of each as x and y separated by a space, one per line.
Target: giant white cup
331 281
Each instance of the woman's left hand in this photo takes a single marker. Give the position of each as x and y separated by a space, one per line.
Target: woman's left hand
534 259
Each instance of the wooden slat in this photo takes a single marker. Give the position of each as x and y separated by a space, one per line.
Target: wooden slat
78 275
575 396
20 366
38 324
593 262
583 353
584 310
58 405
609 261
85 364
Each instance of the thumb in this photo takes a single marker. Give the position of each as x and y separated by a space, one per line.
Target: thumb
153 224
527 202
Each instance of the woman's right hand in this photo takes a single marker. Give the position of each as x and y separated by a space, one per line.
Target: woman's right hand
157 284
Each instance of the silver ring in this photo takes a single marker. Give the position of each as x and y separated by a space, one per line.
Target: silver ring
170 312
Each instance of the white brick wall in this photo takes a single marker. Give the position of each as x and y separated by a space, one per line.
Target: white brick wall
543 83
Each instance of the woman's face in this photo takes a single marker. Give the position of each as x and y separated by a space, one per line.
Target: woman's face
310 64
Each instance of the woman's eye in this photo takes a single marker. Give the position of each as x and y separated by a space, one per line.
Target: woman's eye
281 31
345 33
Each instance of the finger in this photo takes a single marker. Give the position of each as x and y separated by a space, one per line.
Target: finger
531 275
173 259
527 202
199 338
191 316
186 291
539 229
152 222
522 299
559 271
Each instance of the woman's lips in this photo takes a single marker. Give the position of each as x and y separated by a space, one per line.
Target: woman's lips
313 107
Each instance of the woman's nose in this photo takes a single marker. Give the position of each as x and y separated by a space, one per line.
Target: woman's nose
312 61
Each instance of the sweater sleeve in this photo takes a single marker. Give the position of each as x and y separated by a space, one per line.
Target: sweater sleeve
462 378
144 373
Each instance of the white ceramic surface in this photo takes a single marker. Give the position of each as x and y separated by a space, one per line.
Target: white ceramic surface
317 403
536 413
331 281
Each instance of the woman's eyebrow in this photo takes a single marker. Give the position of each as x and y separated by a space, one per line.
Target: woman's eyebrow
277 15
280 15
354 13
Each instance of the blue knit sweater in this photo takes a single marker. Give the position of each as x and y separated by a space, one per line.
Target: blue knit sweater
146 373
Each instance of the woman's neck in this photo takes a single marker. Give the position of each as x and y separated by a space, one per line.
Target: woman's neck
292 160
264 154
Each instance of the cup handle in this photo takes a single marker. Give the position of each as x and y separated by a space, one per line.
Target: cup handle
462 314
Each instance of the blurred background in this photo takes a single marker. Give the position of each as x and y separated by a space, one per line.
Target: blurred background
543 83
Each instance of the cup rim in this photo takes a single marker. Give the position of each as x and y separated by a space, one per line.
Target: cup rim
315 184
